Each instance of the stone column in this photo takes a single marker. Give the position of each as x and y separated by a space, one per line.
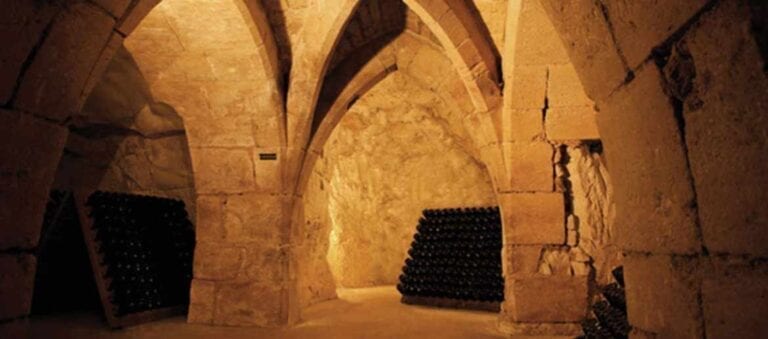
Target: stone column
30 149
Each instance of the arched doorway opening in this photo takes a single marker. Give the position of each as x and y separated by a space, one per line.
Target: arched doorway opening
328 250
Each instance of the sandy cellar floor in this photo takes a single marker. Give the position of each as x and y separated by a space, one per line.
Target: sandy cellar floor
358 313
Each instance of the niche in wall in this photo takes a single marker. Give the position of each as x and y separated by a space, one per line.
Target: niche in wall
390 156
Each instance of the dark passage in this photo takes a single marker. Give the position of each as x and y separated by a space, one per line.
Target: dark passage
64 280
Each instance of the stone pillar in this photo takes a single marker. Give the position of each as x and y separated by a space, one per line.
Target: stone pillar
241 264
539 299
30 148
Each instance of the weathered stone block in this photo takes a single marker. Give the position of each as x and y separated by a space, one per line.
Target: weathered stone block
267 124
735 300
529 166
223 170
254 304
17 280
528 88
187 98
269 173
53 84
572 123
108 53
522 259
235 130
548 299
257 217
266 264
26 174
523 125
217 261
210 218
725 131
23 24
596 59
564 87
533 218
236 65
430 65
639 27
202 301
662 294
653 194
538 43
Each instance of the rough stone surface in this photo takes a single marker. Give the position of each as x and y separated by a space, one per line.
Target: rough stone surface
596 59
537 41
53 84
564 87
653 193
124 141
255 217
269 173
217 261
26 174
662 293
529 88
386 161
737 285
209 224
572 123
17 279
531 299
533 218
530 166
592 213
249 304
641 27
23 24
223 170
725 132
522 259
202 296
526 125
315 280
683 133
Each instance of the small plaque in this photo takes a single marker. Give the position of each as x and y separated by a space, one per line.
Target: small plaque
267 156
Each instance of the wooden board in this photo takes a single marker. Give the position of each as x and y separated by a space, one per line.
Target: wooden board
102 282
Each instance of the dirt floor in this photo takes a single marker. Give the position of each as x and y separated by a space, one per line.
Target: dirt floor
358 313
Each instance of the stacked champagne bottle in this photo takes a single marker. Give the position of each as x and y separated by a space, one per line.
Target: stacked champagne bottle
455 254
610 312
146 244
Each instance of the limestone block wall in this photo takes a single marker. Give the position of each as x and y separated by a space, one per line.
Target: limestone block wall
388 159
557 206
679 88
124 141
51 58
220 76
676 87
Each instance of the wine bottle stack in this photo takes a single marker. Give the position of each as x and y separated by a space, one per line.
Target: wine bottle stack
146 246
610 312
455 260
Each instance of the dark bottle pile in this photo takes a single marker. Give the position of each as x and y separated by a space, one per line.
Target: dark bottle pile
610 313
146 244
456 254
